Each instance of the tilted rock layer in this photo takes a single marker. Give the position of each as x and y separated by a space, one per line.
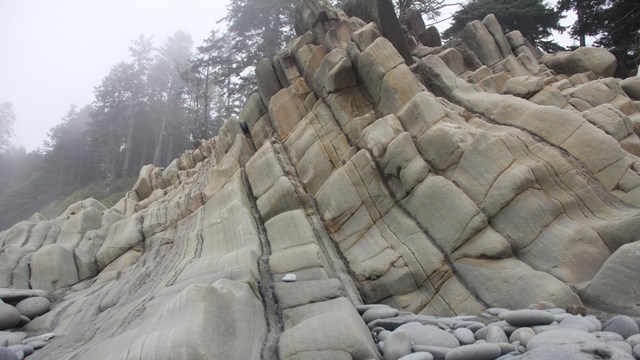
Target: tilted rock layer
476 177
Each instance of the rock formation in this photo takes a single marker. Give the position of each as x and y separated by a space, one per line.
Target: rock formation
483 175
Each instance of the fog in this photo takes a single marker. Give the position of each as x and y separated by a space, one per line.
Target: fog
53 53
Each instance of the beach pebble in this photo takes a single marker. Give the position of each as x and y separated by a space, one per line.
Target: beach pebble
43 337
438 353
622 325
496 335
523 335
634 340
465 336
575 322
607 336
6 354
38 344
561 337
9 317
13 337
33 307
622 345
26 349
363 308
417 356
379 313
474 352
529 317
289 278
397 345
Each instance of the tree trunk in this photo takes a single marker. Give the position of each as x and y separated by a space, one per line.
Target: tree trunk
127 156
156 154
580 12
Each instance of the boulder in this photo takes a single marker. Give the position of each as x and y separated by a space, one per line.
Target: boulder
33 307
383 14
614 287
7 354
430 37
631 87
598 60
9 317
52 268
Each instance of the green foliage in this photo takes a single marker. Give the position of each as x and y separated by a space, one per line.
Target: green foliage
259 29
430 8
588 12
533 18
619 26
107 194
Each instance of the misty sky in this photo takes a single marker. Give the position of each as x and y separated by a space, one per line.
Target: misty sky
54 52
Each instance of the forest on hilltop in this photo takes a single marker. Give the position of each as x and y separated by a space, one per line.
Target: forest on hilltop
164 99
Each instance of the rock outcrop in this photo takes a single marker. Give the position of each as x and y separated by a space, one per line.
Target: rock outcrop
477 177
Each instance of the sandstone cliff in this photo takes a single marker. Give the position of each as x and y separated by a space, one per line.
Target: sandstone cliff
481 175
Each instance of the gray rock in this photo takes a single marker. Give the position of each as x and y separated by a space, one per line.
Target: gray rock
607 336
422 319
23 321
429 335
383 335
15 295
529 317
496 335
621 345
9 317
474 352
622 325
631 86
397 346
26 349
33 307
363 308
496 311
542 328
438 352
19 354
12 338
634 340
561 337
588 351
388 324
523 335
39 344
43 337
6 354
465 336
476 326
576 322
379 313
418 356
636 351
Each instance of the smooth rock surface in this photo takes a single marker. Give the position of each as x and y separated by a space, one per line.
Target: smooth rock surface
33 307
529 317
9 317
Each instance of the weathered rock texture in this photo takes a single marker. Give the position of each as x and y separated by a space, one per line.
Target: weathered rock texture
431 189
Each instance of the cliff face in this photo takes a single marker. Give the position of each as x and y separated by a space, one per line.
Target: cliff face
476 177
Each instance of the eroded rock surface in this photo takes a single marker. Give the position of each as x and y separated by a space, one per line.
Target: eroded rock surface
477 177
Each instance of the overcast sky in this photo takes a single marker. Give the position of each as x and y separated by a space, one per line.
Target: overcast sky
54 52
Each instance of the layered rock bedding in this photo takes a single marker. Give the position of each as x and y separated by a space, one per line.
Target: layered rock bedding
445 181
